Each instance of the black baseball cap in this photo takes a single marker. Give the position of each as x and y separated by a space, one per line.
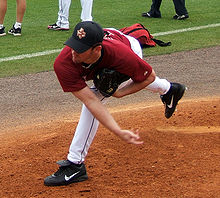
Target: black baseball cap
85 35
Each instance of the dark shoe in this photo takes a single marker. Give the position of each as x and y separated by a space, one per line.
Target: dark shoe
172 97
67 173
175 16
147 14
182 17
2 31
15 31
56 27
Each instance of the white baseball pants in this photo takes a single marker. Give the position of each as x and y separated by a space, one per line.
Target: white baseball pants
63 13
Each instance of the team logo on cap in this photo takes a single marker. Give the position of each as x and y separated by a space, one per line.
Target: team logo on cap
81 33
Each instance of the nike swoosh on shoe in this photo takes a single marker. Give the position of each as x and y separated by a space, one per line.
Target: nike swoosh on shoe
171 102
67 178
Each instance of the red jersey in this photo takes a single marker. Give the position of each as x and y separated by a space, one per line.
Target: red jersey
116 54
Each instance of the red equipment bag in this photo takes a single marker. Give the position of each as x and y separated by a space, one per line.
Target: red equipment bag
142 34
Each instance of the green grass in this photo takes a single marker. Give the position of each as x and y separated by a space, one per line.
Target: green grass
109 13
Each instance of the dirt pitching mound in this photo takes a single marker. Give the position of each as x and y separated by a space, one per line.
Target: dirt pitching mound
179 158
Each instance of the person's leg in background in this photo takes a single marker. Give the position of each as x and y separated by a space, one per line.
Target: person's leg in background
20 10
154 11
3 10
181 11
63 16
86 14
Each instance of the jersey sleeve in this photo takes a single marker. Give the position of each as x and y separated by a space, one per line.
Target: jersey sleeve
69 78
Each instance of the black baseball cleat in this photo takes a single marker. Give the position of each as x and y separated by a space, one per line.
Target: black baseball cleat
2 31
149 15
67 173
180 17
56 27
15 31
172 97
175 16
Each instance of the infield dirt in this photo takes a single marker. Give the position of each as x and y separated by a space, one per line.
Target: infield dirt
179 158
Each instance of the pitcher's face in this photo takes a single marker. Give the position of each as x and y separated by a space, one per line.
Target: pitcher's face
82 57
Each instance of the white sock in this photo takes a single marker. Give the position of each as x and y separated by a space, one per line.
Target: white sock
1 26
160 86
17 25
